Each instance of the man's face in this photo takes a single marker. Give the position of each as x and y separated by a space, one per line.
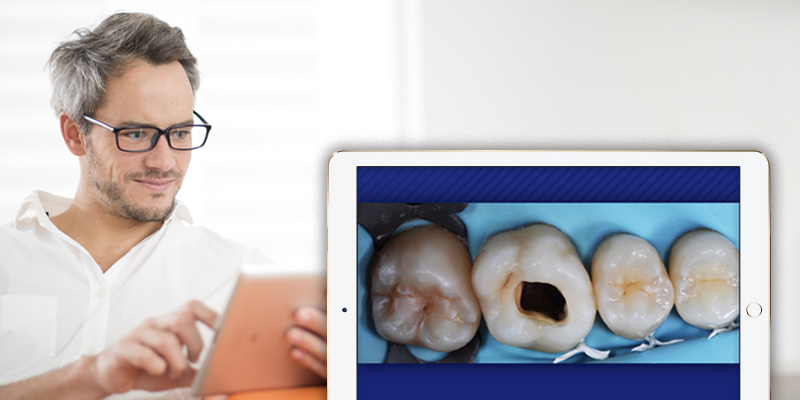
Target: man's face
140 186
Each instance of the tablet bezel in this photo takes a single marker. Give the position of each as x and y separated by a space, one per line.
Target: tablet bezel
754 239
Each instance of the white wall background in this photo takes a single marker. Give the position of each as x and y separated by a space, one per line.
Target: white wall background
306 78
628 75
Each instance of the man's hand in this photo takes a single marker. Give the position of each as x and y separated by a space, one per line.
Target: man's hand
151 357
309 339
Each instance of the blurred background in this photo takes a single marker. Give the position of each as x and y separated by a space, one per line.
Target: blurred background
287 83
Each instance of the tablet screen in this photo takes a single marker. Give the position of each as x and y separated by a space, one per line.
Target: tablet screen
587 205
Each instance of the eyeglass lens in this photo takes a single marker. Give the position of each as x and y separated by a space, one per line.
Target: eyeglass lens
182 137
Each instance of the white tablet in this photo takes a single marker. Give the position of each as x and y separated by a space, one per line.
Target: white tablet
480 274
249 350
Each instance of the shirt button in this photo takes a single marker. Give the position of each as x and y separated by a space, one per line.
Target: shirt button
90 350
100 292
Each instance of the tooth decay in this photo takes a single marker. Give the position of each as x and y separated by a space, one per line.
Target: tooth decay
704 267
421 290
533 289
633 291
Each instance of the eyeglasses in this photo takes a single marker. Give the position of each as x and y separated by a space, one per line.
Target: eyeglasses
138 139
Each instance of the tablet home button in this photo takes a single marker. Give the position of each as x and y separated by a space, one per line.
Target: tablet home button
754 309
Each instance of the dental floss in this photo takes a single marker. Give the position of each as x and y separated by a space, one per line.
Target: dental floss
653 342
733 325
581 347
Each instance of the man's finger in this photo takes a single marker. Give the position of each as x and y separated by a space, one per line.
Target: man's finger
308 342
182 324
158 383
310 362
168 346
143 358
313 319
202 313
191 338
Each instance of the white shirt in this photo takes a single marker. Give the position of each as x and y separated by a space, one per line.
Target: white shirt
56 304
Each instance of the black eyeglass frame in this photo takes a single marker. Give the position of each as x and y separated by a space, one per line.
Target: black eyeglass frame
153 142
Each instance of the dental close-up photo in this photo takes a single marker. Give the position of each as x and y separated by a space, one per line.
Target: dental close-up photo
527 280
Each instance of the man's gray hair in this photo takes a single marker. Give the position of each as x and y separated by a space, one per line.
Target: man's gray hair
80 68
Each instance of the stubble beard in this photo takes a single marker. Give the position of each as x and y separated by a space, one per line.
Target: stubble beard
113 196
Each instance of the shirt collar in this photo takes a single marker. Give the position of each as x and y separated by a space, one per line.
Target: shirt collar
39 203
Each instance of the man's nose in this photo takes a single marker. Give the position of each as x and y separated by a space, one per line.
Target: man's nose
161 157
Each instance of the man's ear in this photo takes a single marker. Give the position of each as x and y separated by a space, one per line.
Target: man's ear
71 133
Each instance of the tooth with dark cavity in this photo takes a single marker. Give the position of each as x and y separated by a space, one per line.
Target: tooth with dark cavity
533 289
421 290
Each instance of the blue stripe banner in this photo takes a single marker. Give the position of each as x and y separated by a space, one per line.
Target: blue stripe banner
548 184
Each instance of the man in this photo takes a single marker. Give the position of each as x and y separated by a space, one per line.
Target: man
100 295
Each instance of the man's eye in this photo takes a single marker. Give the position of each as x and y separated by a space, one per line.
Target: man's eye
180 134
137 134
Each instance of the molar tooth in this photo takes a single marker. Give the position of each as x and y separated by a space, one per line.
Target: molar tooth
704 267
533 289
421 290
633 291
